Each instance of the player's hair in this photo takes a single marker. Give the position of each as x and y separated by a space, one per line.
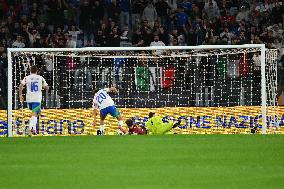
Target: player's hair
34 69
96 90
129 122
151 114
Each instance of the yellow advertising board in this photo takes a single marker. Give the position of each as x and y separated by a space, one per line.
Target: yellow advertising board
194 120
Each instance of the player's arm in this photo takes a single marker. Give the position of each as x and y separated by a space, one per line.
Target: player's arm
21 86
45 86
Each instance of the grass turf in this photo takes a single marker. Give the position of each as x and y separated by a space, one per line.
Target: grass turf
170 161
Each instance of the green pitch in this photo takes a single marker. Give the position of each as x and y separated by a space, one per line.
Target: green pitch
171 161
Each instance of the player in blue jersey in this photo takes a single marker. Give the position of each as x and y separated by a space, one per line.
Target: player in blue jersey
105 104
34 84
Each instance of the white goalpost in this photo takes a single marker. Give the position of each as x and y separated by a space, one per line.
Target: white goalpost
200 77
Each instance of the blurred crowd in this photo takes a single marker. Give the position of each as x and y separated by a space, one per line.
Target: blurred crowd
96 23
85 23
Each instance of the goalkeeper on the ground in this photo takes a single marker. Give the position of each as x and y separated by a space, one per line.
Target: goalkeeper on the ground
154 126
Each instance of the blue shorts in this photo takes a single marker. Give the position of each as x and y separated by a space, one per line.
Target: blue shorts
35 106
112 110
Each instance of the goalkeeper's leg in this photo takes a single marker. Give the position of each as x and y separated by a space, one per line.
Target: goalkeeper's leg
164 128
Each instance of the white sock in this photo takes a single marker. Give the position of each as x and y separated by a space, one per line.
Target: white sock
102 128
33 122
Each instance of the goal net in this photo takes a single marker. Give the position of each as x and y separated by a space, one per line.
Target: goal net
211 89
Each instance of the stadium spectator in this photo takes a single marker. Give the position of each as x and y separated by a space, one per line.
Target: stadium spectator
157 41
125 12
98 11
70 42
15 30
42 29
18 43
114 38
242 15
264 6
227 34
55 14
71 12
3 76
100 39
277 13
113 11
86 14
195 11
82 76
125 37
162 8
137 7
3 84
243 38
181 18
150 14
191 37
32 34
211 10
75 32
137 38
200 34
147 35
163 35
280 89
186 5
177 37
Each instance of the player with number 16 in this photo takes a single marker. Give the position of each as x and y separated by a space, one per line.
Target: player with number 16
34 83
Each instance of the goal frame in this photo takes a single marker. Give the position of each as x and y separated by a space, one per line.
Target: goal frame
201 47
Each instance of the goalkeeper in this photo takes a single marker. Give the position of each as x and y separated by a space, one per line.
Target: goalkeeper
156 126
